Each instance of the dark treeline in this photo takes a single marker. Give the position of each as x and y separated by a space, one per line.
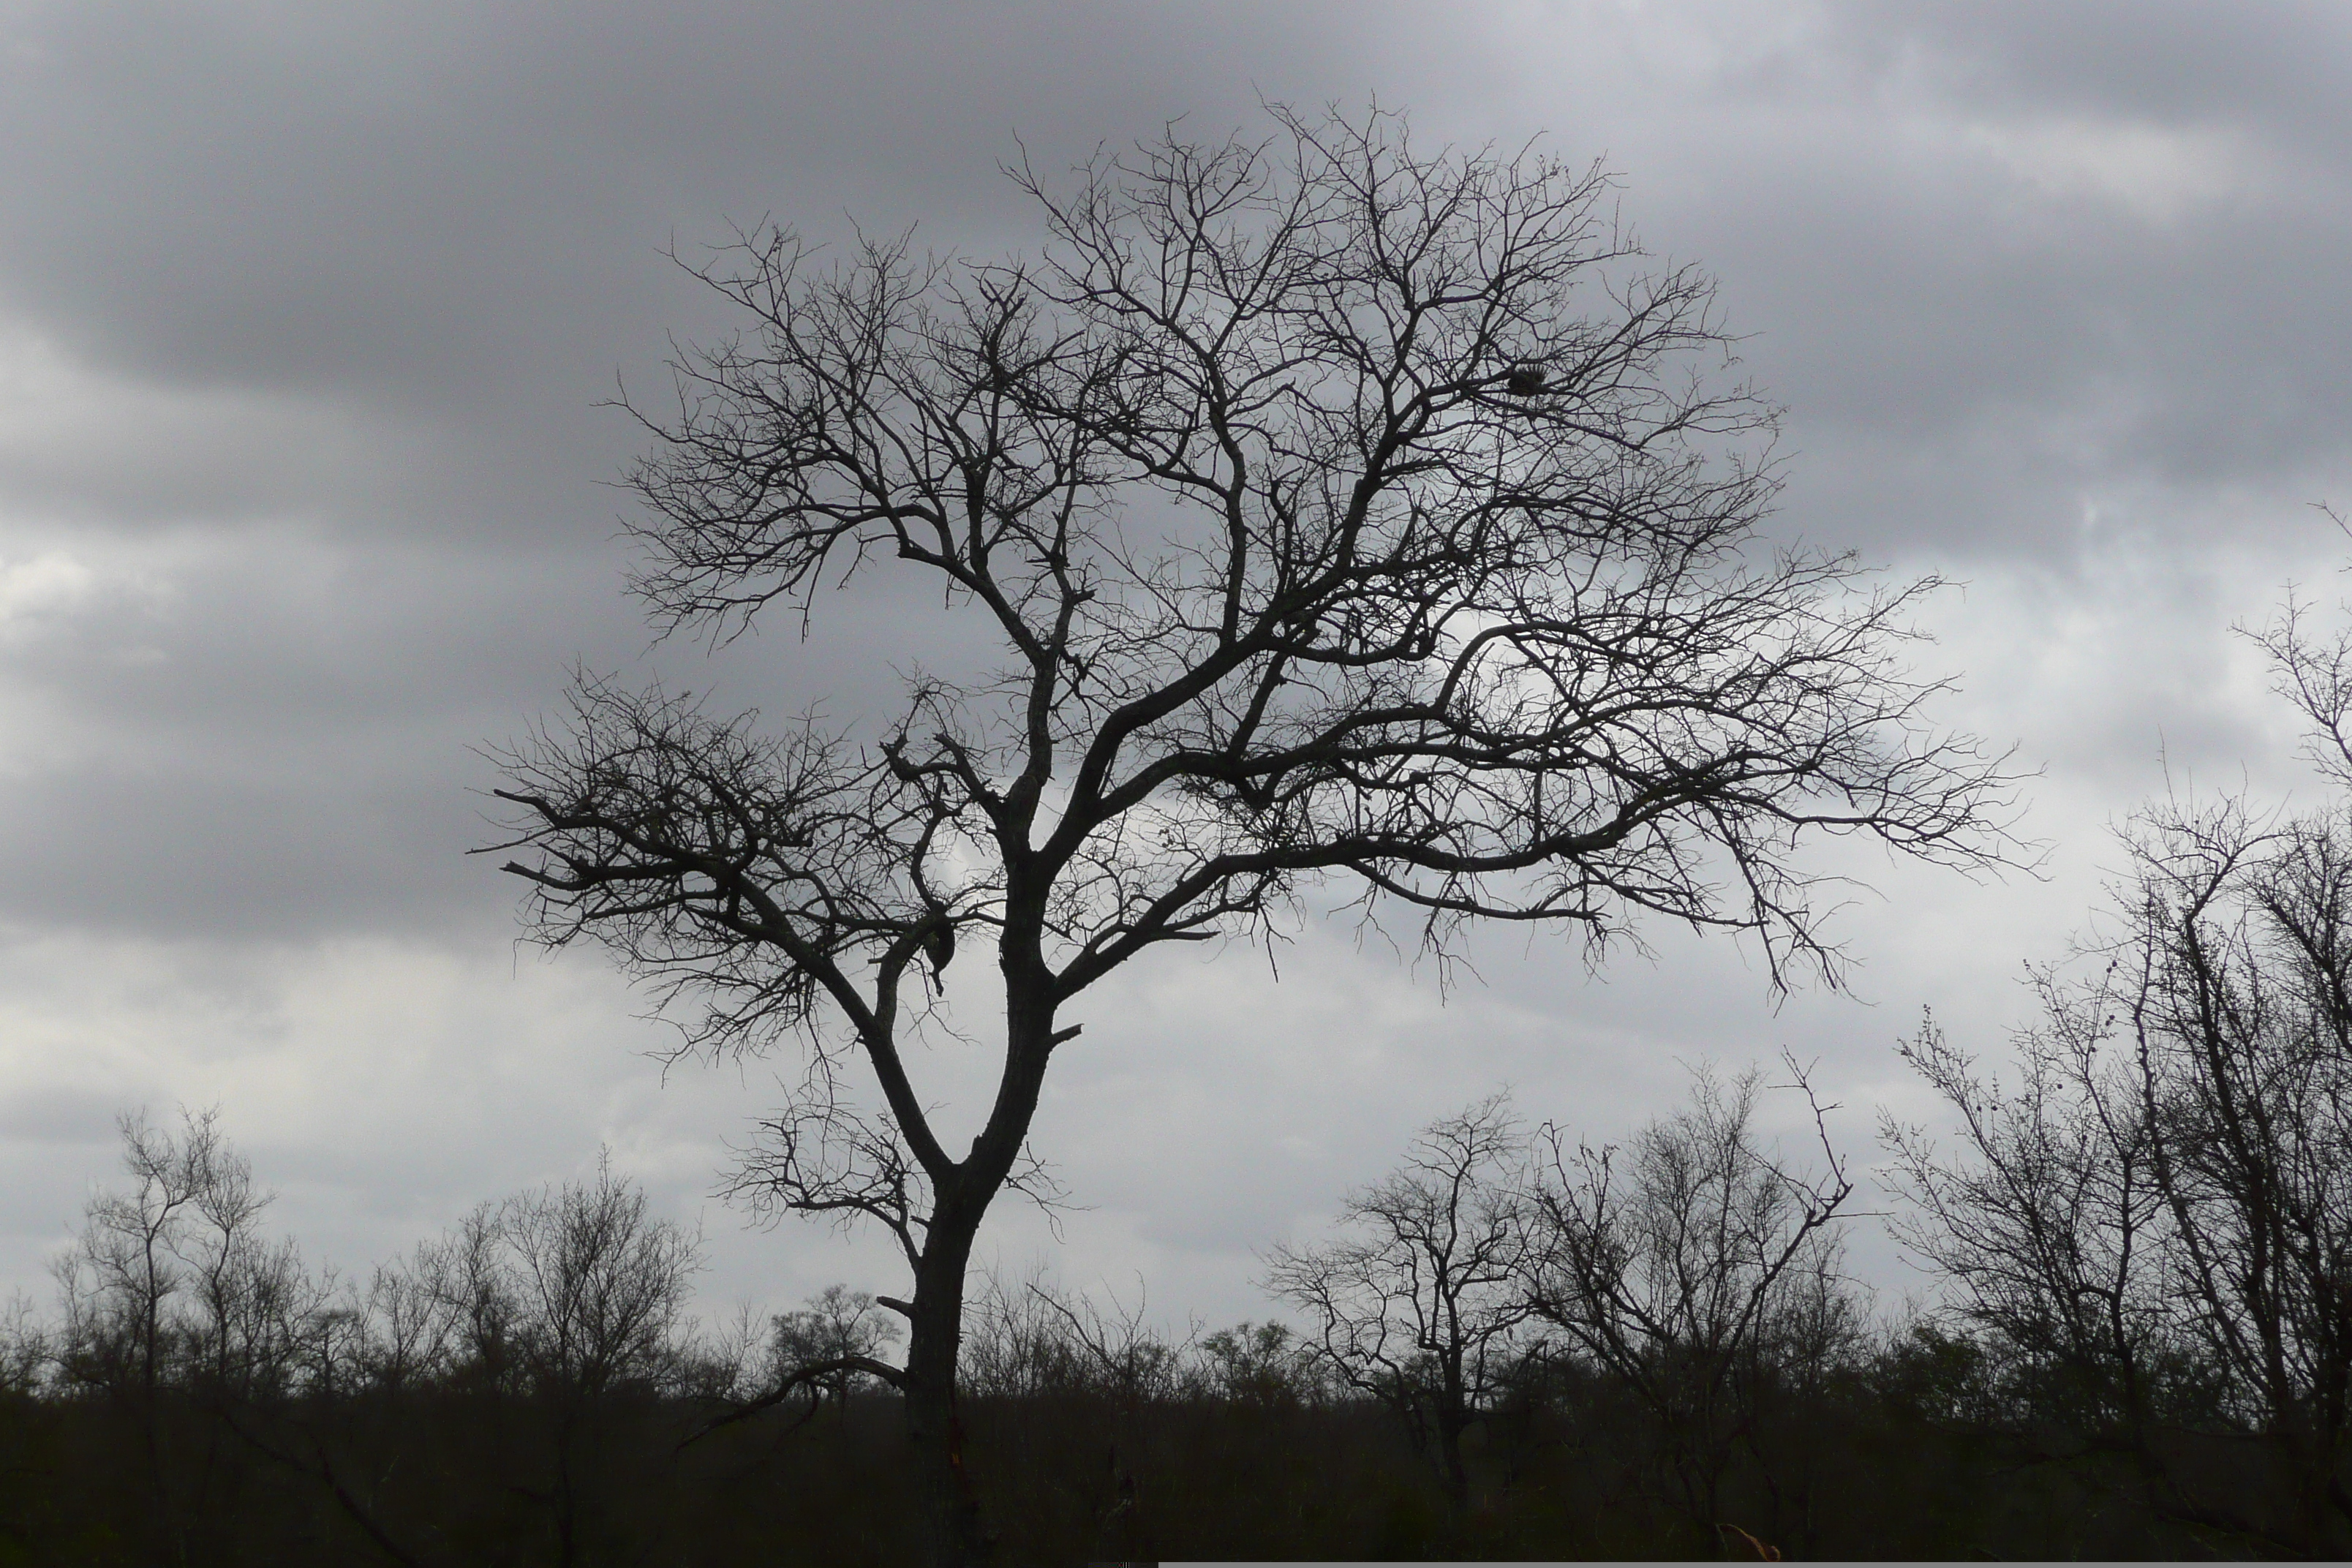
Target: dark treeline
1516 1345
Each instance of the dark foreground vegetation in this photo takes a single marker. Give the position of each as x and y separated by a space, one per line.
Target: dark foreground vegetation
1911 1449
1878 1466
1517 1346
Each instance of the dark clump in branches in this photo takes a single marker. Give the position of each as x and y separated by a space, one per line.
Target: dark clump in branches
1337 510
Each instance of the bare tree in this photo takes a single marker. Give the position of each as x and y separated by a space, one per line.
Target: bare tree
1115 1350
411 1328
131 1259
253 1299
601 1285
465 1274
1421 1306
172 1288
124 1329
837 1330
2241 1021
1260 1364
1016 1346
2156 1224
598 1286
1690 1264
1337 509
28 1350
2050 1225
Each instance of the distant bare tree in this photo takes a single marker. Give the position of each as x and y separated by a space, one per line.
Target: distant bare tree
837 1330
1690 1264
1260 1364
596 1286
27 1348
1117 1353
411 1328
1017 1345
172 1288
2155 1223
2050 1226
1335 510
599 1282
131 1259
466 1271
1421 1305
124 1330
255 1300
2241 1020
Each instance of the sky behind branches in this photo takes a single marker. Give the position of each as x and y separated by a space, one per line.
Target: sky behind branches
308 320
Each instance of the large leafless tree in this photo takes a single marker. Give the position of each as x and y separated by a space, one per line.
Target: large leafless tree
1336 509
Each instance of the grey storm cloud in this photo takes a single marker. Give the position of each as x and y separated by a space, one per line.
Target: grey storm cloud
449 201
306 318
453 213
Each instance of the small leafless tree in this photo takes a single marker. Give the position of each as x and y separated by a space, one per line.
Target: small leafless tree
131 1259
1693 1266
2156 1223
600 1284
255 1300
1017 1345
596 1286
411 1328
2241 1021
465 1273
29 1351
173 1287
1335 509
1421 1305
1116 1351
837 1330
2051 1224
1260 1364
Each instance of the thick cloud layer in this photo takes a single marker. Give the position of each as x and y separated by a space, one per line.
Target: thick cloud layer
306 317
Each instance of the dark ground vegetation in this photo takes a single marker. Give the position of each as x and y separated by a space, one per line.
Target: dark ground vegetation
1907 1452
528 1390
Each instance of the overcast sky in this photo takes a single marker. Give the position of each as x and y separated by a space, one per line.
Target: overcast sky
307 312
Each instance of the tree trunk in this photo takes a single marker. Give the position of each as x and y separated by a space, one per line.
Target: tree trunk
958 1539
1456 1476
1452 1418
